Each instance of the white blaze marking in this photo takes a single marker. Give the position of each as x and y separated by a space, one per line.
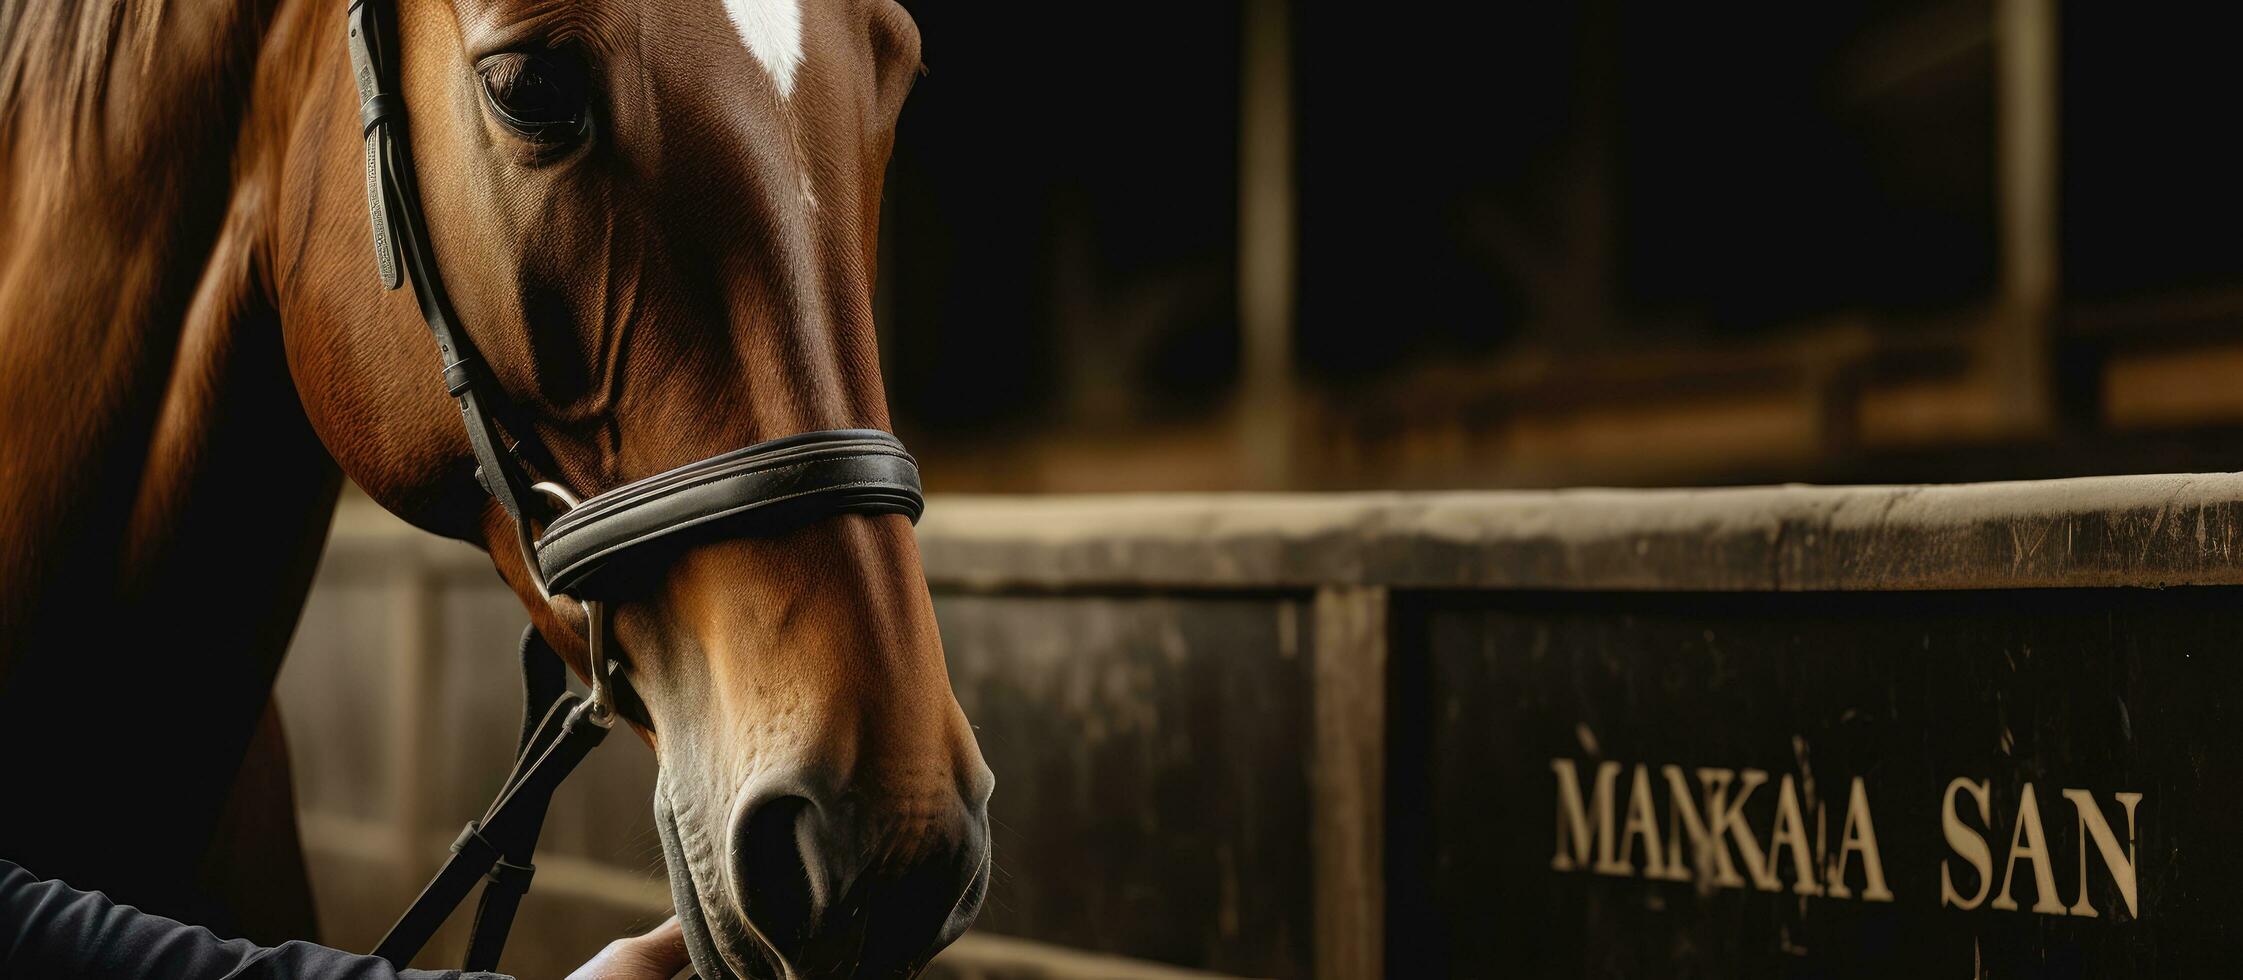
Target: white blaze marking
772 30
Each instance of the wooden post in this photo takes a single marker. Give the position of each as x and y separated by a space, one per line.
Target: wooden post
1266 241
1348 788
415 634
2025 179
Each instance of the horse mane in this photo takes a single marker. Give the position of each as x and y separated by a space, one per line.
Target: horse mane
56 59
120 122
84 83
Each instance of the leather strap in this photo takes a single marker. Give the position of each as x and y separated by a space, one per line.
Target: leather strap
377 108
500 845
544 680
509 878
764 489
393 202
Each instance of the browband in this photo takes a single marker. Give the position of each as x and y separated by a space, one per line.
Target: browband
765 489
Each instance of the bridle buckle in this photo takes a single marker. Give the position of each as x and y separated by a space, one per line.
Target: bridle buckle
600 710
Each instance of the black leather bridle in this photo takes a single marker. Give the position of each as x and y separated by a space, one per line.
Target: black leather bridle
764 489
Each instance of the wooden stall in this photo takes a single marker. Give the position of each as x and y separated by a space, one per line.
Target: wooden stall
1769 731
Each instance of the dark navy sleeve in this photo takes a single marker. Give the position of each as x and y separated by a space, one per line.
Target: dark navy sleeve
48 929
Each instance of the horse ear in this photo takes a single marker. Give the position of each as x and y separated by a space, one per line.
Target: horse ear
895 55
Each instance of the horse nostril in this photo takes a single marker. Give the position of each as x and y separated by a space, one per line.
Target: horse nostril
874 894
776 892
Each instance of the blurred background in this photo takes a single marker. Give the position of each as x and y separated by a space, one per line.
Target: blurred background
1194 245
1179 245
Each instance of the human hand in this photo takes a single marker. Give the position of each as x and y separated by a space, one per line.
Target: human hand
658 955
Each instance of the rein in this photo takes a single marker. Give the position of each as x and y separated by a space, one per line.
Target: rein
761 490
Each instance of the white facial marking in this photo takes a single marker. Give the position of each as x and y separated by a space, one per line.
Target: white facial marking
772 30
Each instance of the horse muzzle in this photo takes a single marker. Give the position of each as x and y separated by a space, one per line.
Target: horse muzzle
797 881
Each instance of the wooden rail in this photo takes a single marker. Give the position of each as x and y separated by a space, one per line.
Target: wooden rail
1195 704
2125 530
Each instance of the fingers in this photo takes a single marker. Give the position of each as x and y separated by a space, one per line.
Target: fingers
657 955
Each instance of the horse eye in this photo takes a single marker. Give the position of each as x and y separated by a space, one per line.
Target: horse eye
540 96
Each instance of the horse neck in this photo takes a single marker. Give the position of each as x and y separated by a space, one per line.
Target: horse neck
162 499
144 401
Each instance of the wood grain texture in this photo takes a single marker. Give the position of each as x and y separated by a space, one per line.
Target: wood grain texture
2098 531
1348 819
1154 770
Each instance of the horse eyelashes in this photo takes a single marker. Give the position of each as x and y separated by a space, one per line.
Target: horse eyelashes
537 96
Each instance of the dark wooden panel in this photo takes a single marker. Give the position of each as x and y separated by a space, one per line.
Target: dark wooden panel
2108 692
1152 774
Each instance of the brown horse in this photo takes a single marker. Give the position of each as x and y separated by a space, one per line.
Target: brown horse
194 349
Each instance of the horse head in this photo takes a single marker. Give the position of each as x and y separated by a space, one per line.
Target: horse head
656 222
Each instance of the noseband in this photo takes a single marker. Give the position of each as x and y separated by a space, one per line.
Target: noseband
761 490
